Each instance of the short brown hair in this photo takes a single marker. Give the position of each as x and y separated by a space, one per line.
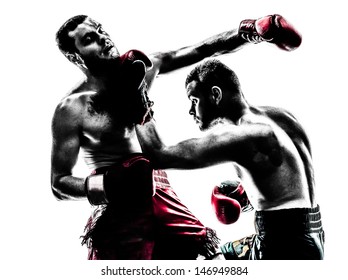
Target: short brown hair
213 72
65 43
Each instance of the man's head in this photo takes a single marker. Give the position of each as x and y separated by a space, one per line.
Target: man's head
214 92
84 42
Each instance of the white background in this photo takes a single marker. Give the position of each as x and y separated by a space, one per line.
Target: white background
40 236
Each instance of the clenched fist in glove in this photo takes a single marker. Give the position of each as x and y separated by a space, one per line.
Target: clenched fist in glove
229 199
129 181
273 29
132 70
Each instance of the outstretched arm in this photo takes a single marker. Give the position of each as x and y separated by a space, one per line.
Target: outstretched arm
226 42
274 29
250 145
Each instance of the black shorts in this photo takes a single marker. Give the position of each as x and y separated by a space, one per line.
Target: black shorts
288 234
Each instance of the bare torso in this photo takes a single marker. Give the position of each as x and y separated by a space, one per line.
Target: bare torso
290 185
103 139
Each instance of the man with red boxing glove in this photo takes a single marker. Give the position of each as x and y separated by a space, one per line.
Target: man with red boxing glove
137 213
267 144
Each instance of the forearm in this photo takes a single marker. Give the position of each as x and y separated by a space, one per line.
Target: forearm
195 153
152 145
68 187
184 155
149 139
226 42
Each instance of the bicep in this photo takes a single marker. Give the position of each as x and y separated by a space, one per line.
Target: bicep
175 60
65 146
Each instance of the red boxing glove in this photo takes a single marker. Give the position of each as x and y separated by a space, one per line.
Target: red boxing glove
133 67
273 29
227 210
134 55
229 200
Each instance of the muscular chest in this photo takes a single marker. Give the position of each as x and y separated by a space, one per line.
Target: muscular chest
103 129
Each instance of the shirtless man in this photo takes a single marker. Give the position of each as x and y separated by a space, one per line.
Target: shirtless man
137 214
265 143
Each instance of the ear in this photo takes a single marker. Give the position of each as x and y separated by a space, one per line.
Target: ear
216 94
76 59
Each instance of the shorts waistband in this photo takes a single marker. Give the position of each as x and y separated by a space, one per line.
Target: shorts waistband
296 220
124 161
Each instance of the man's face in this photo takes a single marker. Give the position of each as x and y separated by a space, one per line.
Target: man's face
93 43
203 109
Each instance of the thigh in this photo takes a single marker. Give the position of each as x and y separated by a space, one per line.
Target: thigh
305 246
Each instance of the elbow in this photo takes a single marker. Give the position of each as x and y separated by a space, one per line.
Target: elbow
56 192
56 188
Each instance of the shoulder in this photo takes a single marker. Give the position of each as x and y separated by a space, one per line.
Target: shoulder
76 100
289 123
255 117
72 107
274 116
278 113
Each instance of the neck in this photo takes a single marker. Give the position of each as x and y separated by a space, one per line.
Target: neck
237 110
96 83
101 73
